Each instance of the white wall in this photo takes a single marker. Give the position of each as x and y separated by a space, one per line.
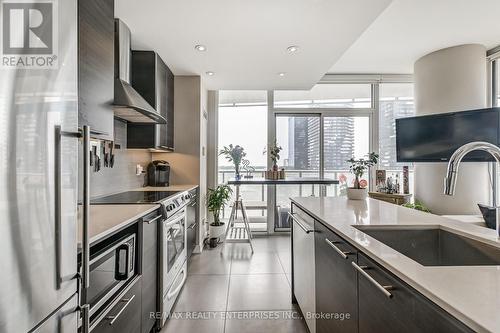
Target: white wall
451 79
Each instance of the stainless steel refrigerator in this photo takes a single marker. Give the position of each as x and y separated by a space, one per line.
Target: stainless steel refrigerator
39 169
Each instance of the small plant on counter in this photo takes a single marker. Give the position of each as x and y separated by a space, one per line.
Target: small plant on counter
274 154
359 166
417 206
235 155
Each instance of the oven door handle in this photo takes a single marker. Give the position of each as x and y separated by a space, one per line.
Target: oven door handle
120 276
176 220
171 293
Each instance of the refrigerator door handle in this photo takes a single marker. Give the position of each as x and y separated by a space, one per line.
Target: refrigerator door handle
58 202
86 214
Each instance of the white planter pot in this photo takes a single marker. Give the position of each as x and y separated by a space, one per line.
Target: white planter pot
357 193
217 230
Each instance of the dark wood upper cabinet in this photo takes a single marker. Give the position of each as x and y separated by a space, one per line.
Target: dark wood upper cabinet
96 66
155 82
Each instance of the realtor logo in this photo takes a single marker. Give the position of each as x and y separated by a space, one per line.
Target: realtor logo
29 34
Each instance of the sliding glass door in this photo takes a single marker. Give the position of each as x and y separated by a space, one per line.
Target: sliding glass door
299 136
317 145
344 137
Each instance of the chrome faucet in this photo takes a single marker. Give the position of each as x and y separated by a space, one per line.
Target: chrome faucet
450 180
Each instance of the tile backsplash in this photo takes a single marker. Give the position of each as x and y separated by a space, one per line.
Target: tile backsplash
122 176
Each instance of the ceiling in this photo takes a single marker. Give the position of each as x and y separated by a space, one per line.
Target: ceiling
410 29
247 40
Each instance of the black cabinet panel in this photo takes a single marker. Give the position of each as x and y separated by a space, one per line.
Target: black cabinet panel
150 269
169 135
96 66
192 222
336 283
126 314
155 82
406 311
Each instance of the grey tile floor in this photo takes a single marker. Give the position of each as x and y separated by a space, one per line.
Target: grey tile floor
238 292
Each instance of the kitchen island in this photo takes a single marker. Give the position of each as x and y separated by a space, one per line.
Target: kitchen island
459 298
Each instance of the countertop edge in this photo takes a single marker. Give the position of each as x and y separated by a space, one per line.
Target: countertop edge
121 225
466 320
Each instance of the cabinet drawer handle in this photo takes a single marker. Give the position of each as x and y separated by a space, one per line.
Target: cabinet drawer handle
115 317
299 223
343 254
152 220
383 289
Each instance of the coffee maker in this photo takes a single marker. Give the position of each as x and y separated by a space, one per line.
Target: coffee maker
158 173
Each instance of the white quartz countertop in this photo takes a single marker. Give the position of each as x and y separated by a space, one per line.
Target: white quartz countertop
470 293
107 219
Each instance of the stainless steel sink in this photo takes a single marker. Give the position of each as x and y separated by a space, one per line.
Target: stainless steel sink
433 246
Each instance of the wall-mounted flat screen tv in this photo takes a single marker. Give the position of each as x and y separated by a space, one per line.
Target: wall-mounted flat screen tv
434 138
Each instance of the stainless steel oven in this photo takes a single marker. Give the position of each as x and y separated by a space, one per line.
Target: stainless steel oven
174 245
112 267
174 254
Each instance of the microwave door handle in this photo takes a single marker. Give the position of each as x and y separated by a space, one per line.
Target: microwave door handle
120 276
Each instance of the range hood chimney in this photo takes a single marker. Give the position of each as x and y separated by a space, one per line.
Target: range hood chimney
128 104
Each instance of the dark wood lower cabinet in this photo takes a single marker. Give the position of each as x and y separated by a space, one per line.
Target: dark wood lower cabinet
406 311
336 283
149 268
125 316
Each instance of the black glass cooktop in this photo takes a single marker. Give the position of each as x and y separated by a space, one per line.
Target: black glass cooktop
134 197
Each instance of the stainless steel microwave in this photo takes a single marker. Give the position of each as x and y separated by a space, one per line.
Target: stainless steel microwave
112 267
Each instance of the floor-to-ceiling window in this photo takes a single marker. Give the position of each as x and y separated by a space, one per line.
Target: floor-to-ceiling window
496 93
395 101
344 137
243 121
299 136
318 129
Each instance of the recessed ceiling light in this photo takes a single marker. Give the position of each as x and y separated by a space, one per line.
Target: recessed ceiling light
200 48
209 73
292 48
282 74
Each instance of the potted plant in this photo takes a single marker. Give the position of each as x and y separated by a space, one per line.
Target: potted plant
417 206
274 154
358 167
234 154
216 200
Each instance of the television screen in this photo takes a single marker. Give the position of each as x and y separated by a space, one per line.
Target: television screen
434 138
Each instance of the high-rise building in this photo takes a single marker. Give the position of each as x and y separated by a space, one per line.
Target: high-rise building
304 145
339 145
390 110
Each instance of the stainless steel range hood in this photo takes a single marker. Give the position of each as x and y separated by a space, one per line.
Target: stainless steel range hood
128 104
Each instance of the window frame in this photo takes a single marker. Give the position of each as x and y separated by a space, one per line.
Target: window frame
374 80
